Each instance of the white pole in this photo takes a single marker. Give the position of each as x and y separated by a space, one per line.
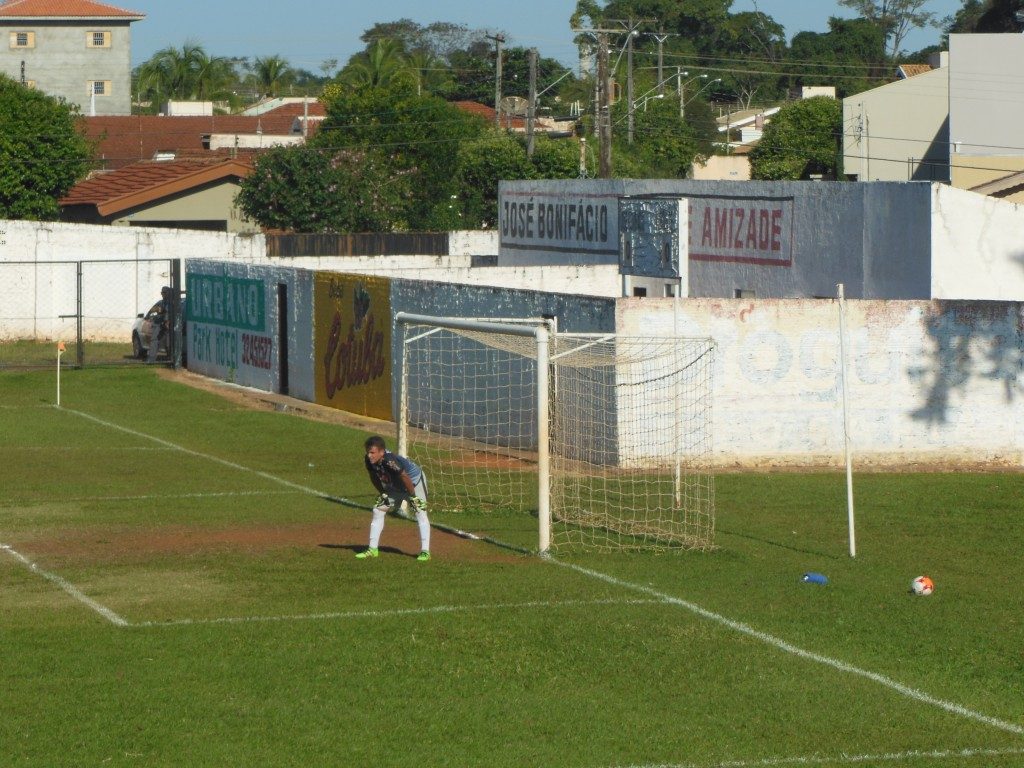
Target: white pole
60 351
403 398
846 417
543 446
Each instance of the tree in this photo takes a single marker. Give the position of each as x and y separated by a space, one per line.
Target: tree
483 162
754 35
42 153
383 60
895 18
419 134
186 73
850 56
309 190
984 16
272 74
802 139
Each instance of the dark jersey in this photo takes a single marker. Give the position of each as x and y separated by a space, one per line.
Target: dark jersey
386 474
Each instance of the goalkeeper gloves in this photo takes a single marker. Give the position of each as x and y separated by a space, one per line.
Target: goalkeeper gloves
418 504
384 502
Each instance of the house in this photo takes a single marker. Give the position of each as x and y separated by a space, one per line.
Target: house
986 107
79 50
958 122
900 131
194 193
127 139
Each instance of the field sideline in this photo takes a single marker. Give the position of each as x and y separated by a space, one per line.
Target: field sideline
179 588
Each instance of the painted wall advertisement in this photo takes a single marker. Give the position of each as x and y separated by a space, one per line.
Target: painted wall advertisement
228 334
559 222
352 343
745 230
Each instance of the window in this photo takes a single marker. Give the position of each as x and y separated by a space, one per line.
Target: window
97 39
99 87
639 292
23 39
743 293
671 290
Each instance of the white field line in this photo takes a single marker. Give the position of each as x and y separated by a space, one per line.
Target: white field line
151 497
782 645
217 460
887 757
763 637
68 587
395 612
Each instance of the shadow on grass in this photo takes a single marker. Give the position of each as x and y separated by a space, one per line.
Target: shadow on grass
361 547
779 544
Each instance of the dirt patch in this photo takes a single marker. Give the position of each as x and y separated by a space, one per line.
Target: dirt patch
401 538
350 532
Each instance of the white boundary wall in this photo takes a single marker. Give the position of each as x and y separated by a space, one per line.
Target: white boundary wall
977 250
930 382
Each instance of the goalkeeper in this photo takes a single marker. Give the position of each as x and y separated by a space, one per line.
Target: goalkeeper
397 479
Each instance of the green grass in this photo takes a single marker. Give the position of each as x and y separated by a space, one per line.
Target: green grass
253 637
38 354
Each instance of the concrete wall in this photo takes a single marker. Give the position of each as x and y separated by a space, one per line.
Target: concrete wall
929 382
237 339
977 247
123 272
986 95
62 65
899 131
727 167
871 237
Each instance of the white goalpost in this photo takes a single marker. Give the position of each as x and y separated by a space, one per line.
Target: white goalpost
605 439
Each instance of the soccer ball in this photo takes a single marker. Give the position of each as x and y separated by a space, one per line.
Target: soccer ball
922 585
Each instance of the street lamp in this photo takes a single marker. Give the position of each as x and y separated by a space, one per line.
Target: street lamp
638 99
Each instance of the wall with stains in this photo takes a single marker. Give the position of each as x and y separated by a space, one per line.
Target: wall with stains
929 381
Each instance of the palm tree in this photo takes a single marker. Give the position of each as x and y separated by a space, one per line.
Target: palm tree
431 73
377 65
185 73
272 73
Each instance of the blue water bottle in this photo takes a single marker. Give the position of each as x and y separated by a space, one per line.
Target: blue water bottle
815 578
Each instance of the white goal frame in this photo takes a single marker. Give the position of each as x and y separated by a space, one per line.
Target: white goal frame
656 390
540 333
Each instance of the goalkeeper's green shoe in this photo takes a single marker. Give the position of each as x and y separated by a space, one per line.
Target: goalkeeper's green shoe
423 557
367 553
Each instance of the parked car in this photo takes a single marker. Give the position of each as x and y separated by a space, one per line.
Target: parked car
151 322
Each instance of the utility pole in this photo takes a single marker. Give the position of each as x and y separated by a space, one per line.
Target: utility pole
661 37
498 40
531 109
629 82
604 136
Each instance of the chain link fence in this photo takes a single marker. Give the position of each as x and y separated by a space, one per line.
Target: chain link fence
90 306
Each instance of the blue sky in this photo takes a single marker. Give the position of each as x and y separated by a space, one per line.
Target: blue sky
308 32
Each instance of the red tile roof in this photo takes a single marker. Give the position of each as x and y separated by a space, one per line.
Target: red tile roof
912 70
64 9
126 139
145 182
476 108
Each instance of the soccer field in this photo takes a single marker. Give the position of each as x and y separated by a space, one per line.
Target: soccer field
179 588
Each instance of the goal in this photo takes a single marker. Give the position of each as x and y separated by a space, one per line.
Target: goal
604 439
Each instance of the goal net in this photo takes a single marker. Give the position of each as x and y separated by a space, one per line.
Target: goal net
604 440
